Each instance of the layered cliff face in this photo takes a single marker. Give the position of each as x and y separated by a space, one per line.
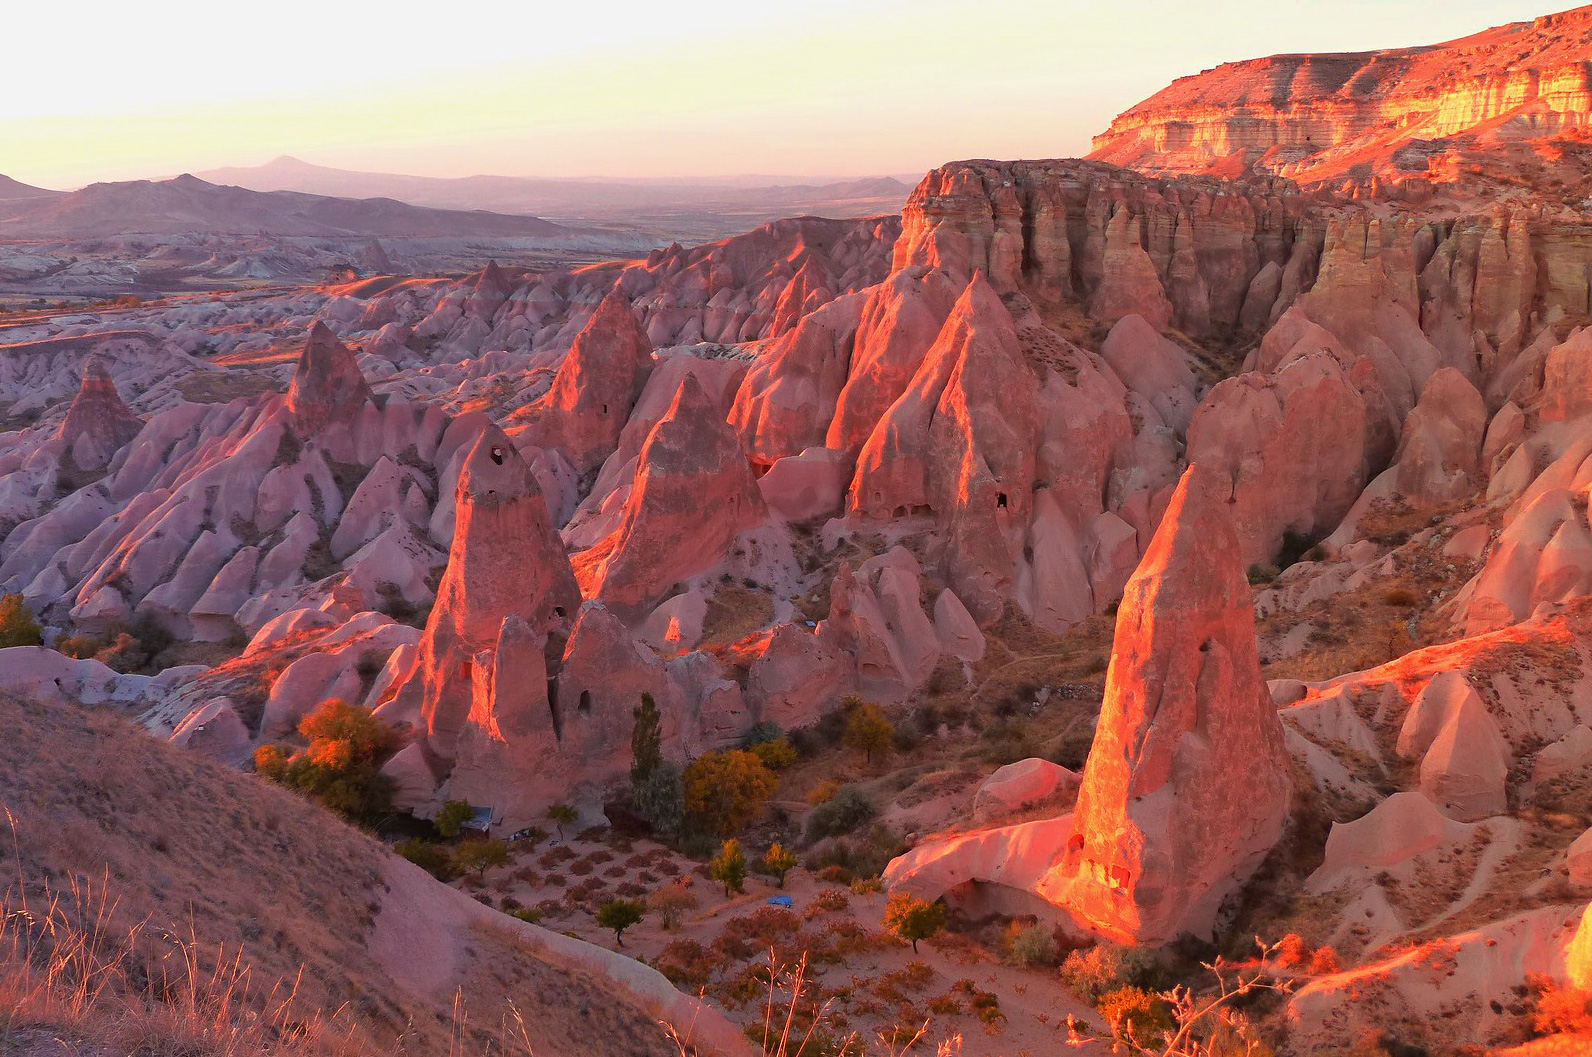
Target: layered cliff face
1517 91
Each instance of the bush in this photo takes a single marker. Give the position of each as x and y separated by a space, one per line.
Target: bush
823 792
430 857
672 900
17 624
725 790
776 754
841 814
1106 967
1033 946
341 767
1134 1012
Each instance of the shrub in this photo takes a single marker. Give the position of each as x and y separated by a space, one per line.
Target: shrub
1263 574
688 964
80 647
841 814
725 790
1034 945
912 919
341 767
430 857
827 901
672 900
823 792
17 624
1559 1009
1403 597
776 754
1106 967
1325 962
1134 1012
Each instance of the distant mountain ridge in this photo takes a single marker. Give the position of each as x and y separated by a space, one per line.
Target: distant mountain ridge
188 204
575 197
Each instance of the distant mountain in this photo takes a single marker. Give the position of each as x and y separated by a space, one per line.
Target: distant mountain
14 189
191 205
595 198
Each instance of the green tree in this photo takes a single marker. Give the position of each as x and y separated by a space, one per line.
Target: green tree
17 624
728 867
646 741
619 915
779 861
868 731
480 856
672 900
562 815
451 819
725 790
913 919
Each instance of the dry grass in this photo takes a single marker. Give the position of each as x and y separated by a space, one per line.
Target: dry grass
734 612
209 910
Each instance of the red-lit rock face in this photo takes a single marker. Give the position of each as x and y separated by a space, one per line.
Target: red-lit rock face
1168 821
1382 115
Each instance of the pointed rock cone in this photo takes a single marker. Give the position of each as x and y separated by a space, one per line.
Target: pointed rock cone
1188 781
596 387
506 559
327 385
693 494
490 291
98 423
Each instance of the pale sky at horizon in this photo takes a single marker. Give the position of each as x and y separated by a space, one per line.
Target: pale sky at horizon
692 88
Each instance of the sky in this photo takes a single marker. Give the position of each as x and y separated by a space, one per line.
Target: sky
666 88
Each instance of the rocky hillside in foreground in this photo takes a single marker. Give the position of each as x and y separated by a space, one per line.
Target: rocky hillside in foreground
1507 106
188 877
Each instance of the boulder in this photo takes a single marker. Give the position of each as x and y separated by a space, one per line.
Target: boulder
1022 784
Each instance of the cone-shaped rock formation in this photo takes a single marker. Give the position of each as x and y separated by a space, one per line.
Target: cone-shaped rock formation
1187 783
506 560
327 385
98 423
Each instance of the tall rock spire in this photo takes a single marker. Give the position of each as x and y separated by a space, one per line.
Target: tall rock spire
506 560
1188 781
327 385
596 386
